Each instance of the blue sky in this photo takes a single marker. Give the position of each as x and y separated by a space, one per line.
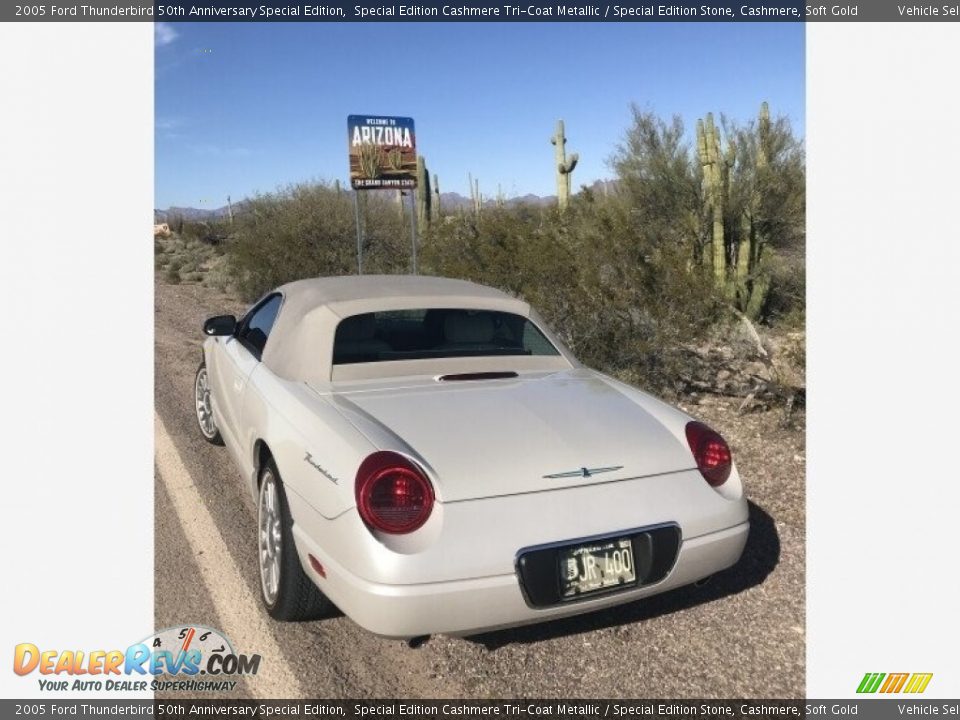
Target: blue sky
243 108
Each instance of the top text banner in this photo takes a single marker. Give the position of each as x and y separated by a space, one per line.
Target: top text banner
477 11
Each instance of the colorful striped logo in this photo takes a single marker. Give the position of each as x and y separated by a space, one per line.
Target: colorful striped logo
894 682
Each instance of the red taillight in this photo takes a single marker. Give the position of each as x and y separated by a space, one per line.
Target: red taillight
711 452
393 494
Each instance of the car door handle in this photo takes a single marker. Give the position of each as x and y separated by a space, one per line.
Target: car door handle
238 384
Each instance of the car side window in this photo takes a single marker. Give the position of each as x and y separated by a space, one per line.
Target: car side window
256 327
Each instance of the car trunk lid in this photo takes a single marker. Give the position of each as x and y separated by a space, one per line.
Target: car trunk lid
503 436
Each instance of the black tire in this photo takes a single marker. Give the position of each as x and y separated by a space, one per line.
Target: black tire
297 597
215 438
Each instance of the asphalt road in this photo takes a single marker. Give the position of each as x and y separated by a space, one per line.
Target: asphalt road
742 635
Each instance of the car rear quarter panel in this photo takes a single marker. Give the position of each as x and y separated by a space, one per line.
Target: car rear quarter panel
303 431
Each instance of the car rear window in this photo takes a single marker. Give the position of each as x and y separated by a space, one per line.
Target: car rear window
436 333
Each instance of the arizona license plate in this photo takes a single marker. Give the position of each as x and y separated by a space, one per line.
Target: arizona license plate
596 566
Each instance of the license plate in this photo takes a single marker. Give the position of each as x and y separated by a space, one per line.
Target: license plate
596 566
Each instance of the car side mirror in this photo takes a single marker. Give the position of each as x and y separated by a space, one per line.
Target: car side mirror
220 325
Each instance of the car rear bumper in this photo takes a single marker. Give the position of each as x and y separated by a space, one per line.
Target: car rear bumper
466 607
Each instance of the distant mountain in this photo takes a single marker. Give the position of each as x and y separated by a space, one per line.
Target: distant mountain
603 187
449 200
453 201
531 199
192 214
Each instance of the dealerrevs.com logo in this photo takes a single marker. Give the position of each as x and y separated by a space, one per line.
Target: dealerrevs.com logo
189 658
894 683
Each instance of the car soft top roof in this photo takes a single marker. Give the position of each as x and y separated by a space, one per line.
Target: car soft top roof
300 346
313 292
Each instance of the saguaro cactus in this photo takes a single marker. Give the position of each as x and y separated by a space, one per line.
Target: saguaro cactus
752 279
476 199
763 129
565 165
714 169
436 209
423 192
734 246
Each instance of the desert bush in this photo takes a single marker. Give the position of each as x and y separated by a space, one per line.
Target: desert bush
308 231
735 201
176 223
186 256
623 304
172 273
786 303
217 277
210 232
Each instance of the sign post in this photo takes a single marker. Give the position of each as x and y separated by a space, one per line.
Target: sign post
356 213
383 156
413 229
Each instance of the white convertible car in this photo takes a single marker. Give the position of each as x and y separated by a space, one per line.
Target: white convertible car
427 456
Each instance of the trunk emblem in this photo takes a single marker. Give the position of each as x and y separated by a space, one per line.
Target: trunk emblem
583 472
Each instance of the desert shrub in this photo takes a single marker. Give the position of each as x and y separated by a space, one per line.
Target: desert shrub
176 223
210 232
185 257
786 303
172 273
624 305
308 231
748 193
216 276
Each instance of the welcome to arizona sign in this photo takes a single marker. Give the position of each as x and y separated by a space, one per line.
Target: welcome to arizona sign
383 152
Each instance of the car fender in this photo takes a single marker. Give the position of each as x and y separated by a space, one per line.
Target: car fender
316 450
